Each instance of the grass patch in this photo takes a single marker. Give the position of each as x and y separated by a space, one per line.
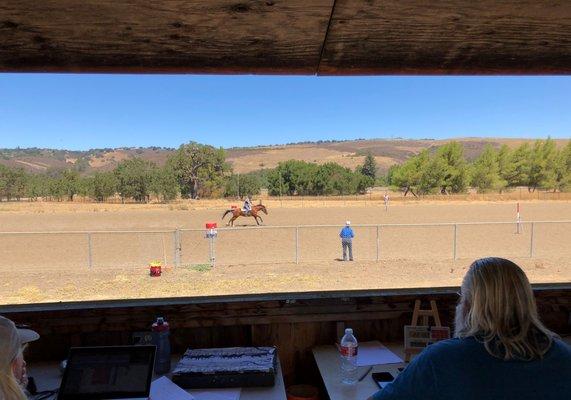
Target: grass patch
198 267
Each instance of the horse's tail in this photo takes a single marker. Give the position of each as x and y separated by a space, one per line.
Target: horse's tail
226 212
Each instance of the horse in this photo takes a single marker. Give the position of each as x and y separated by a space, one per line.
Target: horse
238 212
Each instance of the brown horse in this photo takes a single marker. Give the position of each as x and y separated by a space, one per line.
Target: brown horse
238 212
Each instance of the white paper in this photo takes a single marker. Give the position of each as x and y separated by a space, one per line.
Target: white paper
374 353
216 394
164 389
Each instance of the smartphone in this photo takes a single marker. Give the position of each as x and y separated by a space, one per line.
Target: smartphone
382 378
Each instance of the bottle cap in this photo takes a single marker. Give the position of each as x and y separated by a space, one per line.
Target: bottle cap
348 331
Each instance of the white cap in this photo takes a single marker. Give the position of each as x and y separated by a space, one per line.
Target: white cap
348 331
24 335
347 222
28 335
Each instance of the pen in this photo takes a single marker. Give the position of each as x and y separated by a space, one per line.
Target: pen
365 374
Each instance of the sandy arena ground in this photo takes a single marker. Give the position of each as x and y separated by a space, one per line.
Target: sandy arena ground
47 268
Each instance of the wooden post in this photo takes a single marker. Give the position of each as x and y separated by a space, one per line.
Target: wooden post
531 240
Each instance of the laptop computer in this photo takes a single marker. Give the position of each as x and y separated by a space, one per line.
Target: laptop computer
110 372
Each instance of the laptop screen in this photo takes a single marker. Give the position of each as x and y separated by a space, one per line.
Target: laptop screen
115 372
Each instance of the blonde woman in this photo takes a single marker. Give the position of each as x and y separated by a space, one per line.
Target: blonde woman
501 350
13 377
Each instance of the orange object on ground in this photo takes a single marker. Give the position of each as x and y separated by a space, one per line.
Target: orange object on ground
302 392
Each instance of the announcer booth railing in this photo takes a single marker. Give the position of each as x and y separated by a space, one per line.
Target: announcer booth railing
294 322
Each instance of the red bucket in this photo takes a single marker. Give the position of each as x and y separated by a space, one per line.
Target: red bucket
155 269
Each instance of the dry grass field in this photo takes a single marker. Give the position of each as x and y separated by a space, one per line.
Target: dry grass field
54 267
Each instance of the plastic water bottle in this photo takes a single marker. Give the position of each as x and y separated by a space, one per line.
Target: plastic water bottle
348 352
161 339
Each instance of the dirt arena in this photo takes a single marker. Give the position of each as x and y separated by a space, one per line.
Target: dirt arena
54 267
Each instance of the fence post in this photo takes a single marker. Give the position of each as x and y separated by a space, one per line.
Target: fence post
297 244
89 251
455 240
378 242
177 248
531 240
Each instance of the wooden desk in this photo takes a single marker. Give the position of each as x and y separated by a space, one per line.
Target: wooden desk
329 364
48 377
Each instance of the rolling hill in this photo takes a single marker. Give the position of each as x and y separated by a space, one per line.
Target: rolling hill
348 153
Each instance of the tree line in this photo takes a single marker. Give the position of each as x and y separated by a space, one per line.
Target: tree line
446 170
196 171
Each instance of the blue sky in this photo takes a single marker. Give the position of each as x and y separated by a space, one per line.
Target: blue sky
79 112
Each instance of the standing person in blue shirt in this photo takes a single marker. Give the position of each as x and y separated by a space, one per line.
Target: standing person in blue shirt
501 350
347 236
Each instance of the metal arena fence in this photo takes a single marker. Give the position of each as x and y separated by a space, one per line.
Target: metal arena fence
283 244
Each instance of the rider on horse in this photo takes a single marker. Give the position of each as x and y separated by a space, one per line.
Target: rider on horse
249 210
247 205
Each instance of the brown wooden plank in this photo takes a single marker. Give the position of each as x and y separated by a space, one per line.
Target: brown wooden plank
222 36
287 36
447 37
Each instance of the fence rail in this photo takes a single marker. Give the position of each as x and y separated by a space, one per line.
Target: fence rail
283 244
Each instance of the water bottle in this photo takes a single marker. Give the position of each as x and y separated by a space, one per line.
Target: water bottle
161 333
348 352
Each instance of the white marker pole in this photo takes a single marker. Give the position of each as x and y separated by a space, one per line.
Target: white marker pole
518 220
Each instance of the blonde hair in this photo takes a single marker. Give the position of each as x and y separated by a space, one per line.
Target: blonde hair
9 387
498 308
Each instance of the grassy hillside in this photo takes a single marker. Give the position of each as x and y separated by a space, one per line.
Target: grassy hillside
347 153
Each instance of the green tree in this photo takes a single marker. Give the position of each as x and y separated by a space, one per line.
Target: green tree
199 169
134 179
542 165
12 183
164 184
70 183
506 165
369 167
551 160
333 179
455 169
563 169
486 171
407 176
433 176
520 160
103 185
240 185
36 186
4 179
292 177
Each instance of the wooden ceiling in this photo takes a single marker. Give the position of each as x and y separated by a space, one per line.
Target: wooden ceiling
324 37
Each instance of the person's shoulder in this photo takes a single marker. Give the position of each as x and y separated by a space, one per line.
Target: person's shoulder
560 347
452 347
